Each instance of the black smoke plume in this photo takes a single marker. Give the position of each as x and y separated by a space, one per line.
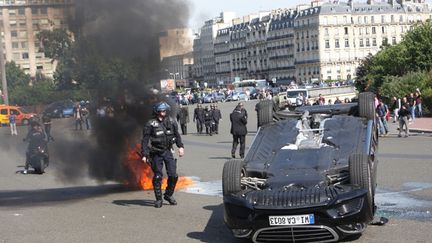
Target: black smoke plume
124 35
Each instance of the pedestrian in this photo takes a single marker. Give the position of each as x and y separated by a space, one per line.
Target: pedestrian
208 120
382 111
183 118
217 116
78 117
85 113
412 105
46 120
395 106
403 120
159 136
238 120
418 101
337 101
198 118
12 124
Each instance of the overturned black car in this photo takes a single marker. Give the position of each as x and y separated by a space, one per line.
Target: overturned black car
309 175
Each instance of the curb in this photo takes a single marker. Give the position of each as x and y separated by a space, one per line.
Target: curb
419 130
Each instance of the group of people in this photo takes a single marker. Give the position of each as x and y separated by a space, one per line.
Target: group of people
208 118
405 110
82 115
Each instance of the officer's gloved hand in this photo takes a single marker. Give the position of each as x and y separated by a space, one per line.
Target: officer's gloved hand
181 152
145 160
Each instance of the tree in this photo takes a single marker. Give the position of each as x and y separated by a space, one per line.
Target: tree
15 76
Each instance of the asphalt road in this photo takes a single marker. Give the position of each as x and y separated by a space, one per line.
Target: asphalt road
51 208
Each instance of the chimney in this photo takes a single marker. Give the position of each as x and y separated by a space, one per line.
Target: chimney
350 3
391 2
369 2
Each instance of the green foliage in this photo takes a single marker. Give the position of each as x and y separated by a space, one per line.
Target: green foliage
56 44
401 86
15 76
398 70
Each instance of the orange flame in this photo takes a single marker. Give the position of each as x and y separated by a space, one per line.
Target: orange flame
144 174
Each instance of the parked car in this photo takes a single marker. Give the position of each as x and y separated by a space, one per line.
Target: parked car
23 117
210 98
309 175
237 96
60 109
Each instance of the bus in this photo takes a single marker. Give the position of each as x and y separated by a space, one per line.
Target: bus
251 84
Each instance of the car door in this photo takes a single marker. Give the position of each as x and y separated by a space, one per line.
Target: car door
4 116
19 115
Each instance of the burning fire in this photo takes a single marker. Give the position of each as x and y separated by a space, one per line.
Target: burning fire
144 174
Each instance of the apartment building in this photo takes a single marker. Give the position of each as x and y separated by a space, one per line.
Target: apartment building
205 50
325 40
21 21
174 42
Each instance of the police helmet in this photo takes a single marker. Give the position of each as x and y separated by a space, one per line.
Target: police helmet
161 106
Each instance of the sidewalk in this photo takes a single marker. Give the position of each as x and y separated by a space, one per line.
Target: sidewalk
421 125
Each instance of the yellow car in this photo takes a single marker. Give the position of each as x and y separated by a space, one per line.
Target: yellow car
22 116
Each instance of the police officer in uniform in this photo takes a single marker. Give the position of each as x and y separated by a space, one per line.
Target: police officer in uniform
199 118
217 116
35 137
208 119
159 135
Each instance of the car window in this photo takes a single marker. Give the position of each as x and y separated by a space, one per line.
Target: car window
3 112
14 112
23 110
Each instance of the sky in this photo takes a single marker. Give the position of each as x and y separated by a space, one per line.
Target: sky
202 10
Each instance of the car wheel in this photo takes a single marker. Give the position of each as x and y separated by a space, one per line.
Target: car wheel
367 105
25 122
231 177
361 175
265 112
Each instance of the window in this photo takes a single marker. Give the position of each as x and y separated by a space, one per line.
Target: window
15 45
367 42
337 43
21 11
372 19
346 30
326 31
25 55
392 18
16 56
14 112
35 11
394 40
327 44
373 30
361 43
385 41
346 43
3 111
12 12
382 19
14 33
23 44
374 42
13 24
383 29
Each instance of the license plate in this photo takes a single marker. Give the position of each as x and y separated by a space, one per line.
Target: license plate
292 220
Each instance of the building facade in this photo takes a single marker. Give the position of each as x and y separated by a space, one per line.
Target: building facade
205 47
312 43
22 21
174 42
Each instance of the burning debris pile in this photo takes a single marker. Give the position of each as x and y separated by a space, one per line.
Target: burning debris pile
118 60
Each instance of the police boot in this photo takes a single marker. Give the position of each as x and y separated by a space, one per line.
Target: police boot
172 181
157 184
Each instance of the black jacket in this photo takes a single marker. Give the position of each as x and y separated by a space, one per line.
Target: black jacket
159 136
183 115
199 114
238 122
35 139
217 115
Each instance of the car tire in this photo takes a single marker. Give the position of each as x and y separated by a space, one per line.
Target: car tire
367 105
361 175
265 112
231 177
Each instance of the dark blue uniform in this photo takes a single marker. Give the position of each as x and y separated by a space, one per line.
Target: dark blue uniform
158 139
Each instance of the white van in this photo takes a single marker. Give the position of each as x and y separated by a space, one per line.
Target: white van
289 97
